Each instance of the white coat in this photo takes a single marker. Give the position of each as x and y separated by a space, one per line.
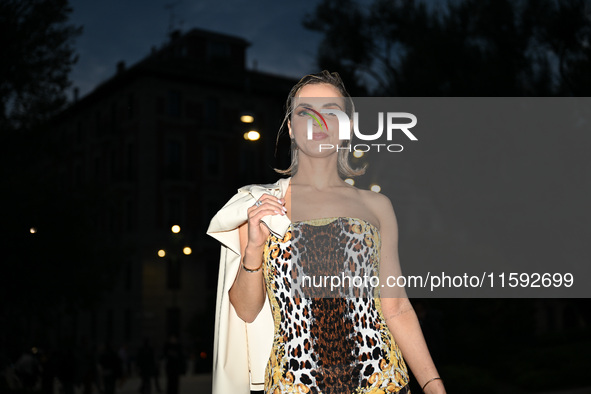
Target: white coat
241 350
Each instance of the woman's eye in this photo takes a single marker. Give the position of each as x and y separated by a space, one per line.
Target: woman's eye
303 113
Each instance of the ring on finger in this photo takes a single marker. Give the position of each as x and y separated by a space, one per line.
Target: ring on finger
258 203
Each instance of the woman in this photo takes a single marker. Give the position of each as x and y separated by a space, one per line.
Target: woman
312 224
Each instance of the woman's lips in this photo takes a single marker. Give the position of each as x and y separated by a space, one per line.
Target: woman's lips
319 136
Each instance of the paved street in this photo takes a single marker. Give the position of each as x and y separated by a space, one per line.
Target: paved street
573 391
201 384
190 384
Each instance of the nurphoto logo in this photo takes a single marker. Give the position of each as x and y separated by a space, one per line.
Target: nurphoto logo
393 125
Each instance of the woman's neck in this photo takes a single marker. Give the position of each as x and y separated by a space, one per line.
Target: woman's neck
318 173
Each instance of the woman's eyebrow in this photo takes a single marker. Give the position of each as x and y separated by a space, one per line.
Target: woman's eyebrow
331 105
327 105
305 105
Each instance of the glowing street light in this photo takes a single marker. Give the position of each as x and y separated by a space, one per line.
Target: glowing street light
246 118
176 229
33 230
252 135
358 154
350 181
375 188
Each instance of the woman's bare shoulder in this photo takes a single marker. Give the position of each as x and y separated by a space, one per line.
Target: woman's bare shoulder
379 205
376 201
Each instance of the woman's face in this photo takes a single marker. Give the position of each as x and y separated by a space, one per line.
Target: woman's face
308 103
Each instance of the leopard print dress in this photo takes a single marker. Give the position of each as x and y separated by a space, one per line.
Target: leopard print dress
329 341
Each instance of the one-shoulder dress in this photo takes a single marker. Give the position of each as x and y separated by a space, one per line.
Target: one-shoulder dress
329 339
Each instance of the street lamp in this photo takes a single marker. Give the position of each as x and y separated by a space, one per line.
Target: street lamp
246 118
176 229
252 135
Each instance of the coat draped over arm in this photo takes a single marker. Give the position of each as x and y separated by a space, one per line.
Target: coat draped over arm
241 350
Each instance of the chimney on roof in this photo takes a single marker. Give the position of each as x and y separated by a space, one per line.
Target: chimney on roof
120 67
175 35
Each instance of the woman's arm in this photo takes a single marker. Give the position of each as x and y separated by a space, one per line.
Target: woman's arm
404 325
247 294
397 309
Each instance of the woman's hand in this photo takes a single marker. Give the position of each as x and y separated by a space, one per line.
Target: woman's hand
257 230
247 294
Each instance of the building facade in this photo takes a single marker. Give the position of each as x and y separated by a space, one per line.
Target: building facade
162 144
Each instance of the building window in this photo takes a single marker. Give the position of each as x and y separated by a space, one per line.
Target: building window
127 325
247 161
218 51
79 133
97 123
130 106
78 174
173 321
174 103
128 275
113 118
114 164
130 215
212 113
174 160
111 220
97 169
174 211
93 330
160 105
130 167
212 160
173 273
109 328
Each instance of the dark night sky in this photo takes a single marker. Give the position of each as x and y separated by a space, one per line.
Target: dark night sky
126 30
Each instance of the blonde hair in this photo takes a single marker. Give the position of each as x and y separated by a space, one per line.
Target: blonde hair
333 79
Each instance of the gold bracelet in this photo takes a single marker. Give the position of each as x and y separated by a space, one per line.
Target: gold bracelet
429 381
249 270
